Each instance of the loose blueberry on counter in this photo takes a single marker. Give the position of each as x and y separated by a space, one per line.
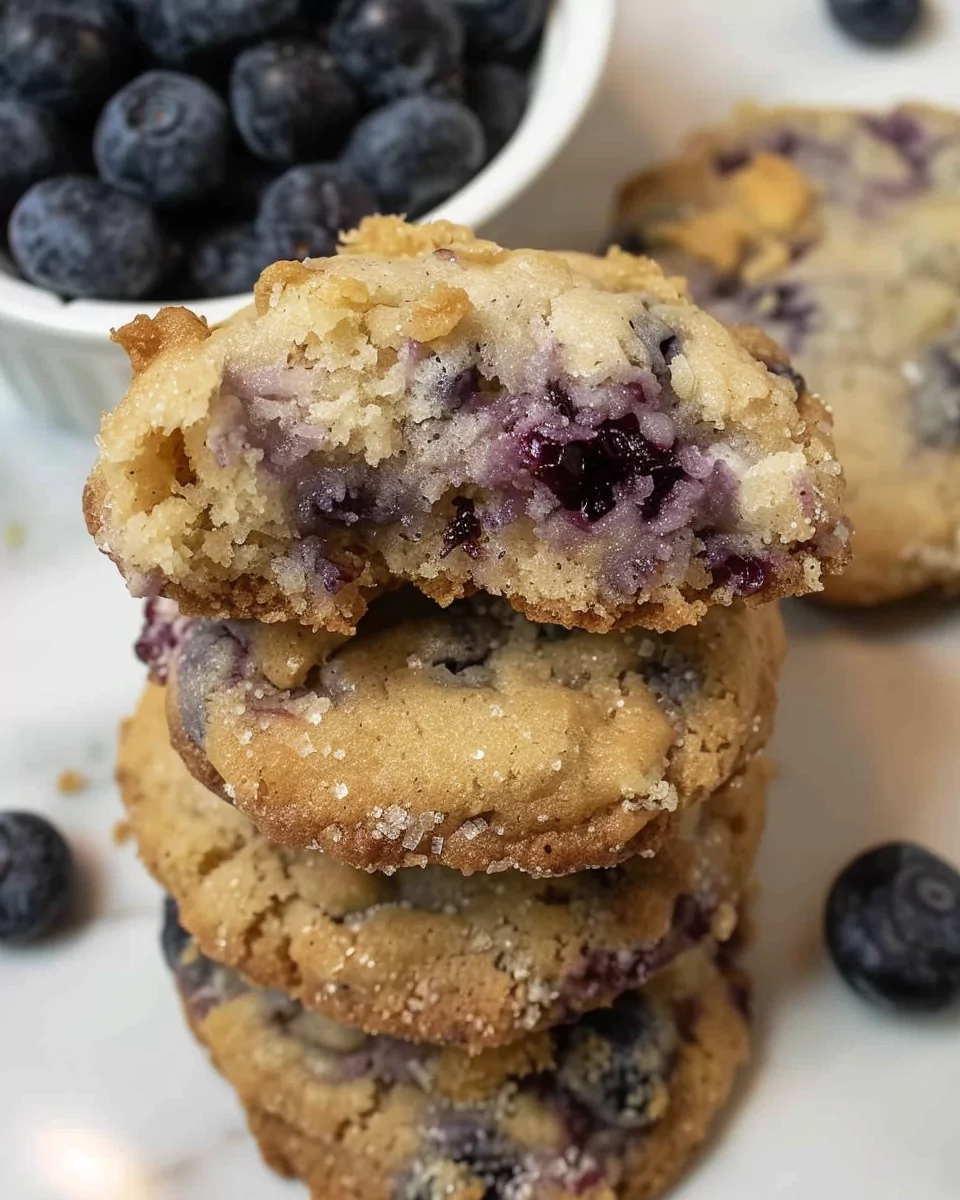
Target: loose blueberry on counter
32 148
302 213
163 138
877 22
67 57
393 48
616 1061
36 876
498 94
79 237
229 261
416 152
500 28
893 928
290 102
175 31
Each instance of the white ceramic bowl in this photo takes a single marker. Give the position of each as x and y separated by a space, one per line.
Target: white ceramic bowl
56 357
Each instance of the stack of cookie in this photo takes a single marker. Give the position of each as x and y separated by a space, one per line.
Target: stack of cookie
455 777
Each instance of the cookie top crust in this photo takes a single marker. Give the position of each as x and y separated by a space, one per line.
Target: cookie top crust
609 1108
838 232
568 432
470 737
425 954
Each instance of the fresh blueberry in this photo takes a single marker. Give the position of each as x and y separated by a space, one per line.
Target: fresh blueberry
394 48
500 28
32 147
229 260
163 138
175 31
877 22
616 1061
417 151
36 876
307 207
893 928
80 237
290 101
66 56
116 13
498 94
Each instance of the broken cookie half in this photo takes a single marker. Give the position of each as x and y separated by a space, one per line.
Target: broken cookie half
568 432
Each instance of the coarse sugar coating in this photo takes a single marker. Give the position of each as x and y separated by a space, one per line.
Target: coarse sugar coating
610 1108
468 736
426 954
838 232
568 432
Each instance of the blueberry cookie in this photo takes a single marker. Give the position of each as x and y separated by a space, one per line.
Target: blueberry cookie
427 954
609 1108
468 736
568 432
839 233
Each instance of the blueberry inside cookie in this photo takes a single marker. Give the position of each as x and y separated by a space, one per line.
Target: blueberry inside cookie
425 953
608 1108
837 232
470 737
570 433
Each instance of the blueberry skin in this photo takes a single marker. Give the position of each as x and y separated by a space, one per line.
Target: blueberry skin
616 1061
290 102
177 30
229 260
498 94
174 939
36 876
32 148
79 237
308 206
877 22
163 138
415 152
500 28
66 57
393 48
892 926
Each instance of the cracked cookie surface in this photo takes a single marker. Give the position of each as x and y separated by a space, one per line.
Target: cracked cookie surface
568 432
608 1109
470 736
426 954
838 232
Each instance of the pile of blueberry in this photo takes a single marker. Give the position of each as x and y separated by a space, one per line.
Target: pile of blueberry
169 148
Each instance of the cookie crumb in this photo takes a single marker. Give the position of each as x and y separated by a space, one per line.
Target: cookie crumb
69 782
122 833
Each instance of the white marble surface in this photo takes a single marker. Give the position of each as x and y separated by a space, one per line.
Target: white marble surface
102 1093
